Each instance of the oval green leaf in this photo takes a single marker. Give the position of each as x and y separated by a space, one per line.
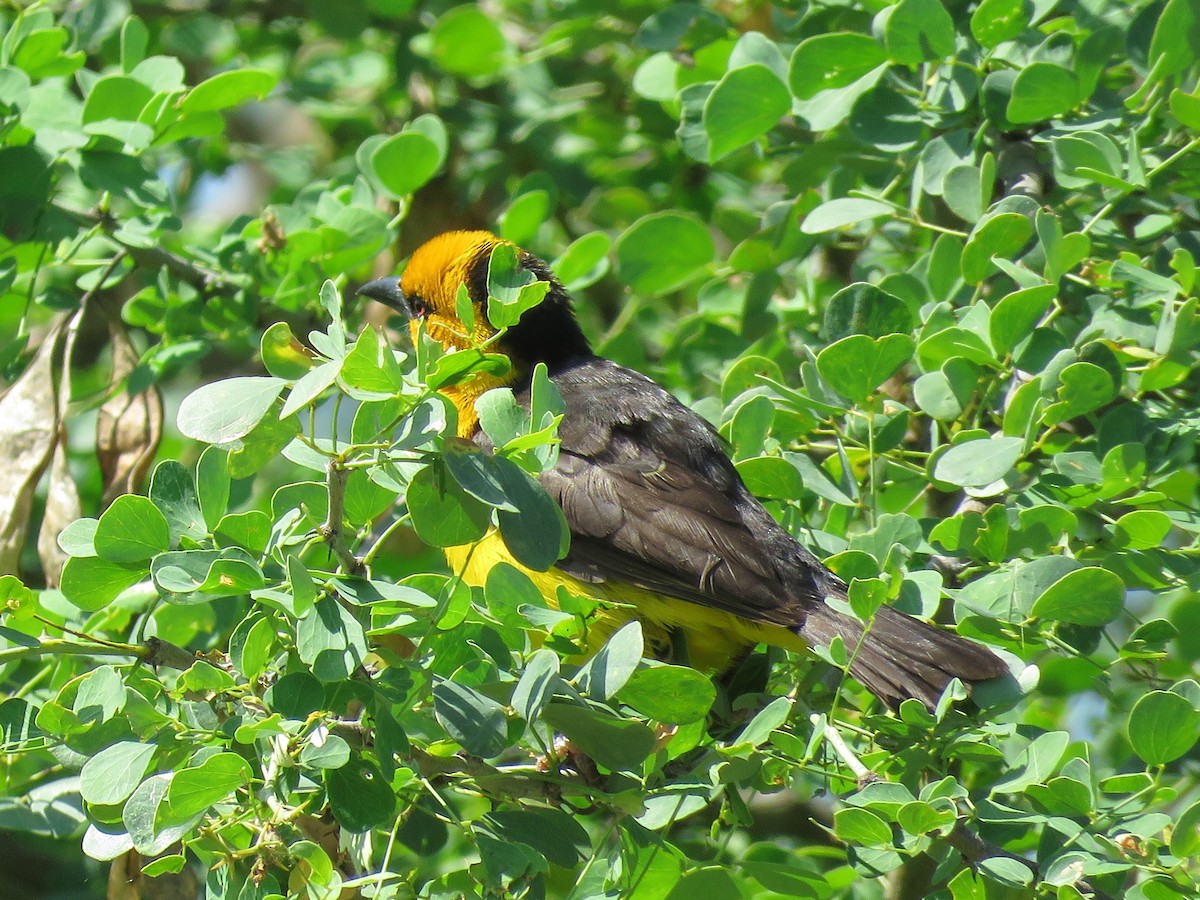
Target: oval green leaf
978 463
663 251
226 410
1162 727
745 105
1087 596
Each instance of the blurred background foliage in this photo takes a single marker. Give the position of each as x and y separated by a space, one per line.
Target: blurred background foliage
997 420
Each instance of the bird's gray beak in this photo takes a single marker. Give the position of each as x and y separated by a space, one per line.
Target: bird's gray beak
387 291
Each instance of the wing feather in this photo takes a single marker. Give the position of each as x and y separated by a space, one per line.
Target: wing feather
652 499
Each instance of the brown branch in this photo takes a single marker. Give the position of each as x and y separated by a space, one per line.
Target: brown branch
492 781
153 652
201 278
332 530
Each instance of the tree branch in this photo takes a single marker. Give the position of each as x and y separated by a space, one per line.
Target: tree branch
331 531
154 652
201 278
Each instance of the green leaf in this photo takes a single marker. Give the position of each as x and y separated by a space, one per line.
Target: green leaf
919 817
1003 235
371 367
227 89
856 365
1083 388
584 262
470 718
1163 726
964 192
283 355
1142 529
771 478
865 309
996 21
140 818
1176 37
610 669
331 640
918 30
765 721
830 61
251 649
859 826
454 368
173 491
111 775
443 514
296 695
1042 91
842 212
194 789
536 533
405 162
91 583
467 42
978 463
524 216
226 410
944 394
536 685
1185 836
131 530
1036 763
332 752
673 694
1186 108
1015 316
212 484
359 795
79 538
613 743
512 288
1008 871
663 251
745 104
552 832
116 97
1087 596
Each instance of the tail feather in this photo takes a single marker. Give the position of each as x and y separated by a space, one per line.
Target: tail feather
902 657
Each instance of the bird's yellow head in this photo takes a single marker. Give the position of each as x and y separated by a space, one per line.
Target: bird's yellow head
427 293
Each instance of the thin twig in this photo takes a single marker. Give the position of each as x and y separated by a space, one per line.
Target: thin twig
332 531
153 652
199 277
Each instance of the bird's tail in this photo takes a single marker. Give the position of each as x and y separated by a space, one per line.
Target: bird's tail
902 657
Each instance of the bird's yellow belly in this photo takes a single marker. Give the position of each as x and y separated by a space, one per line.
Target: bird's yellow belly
714 638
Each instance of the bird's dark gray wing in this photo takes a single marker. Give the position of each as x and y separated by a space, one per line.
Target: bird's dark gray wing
652 499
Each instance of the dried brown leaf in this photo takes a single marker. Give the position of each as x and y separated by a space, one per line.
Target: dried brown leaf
28 433
129 427
62 508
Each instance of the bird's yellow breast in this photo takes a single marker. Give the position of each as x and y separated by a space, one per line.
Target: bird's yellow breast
714 638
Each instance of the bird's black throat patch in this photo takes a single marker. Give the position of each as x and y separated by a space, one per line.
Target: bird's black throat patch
548 333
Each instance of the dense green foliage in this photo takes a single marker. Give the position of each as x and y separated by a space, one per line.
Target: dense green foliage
930 266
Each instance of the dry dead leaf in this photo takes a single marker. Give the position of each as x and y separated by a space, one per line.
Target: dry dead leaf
28 433
62 508
129 428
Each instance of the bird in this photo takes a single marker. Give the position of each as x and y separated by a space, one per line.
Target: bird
662 528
